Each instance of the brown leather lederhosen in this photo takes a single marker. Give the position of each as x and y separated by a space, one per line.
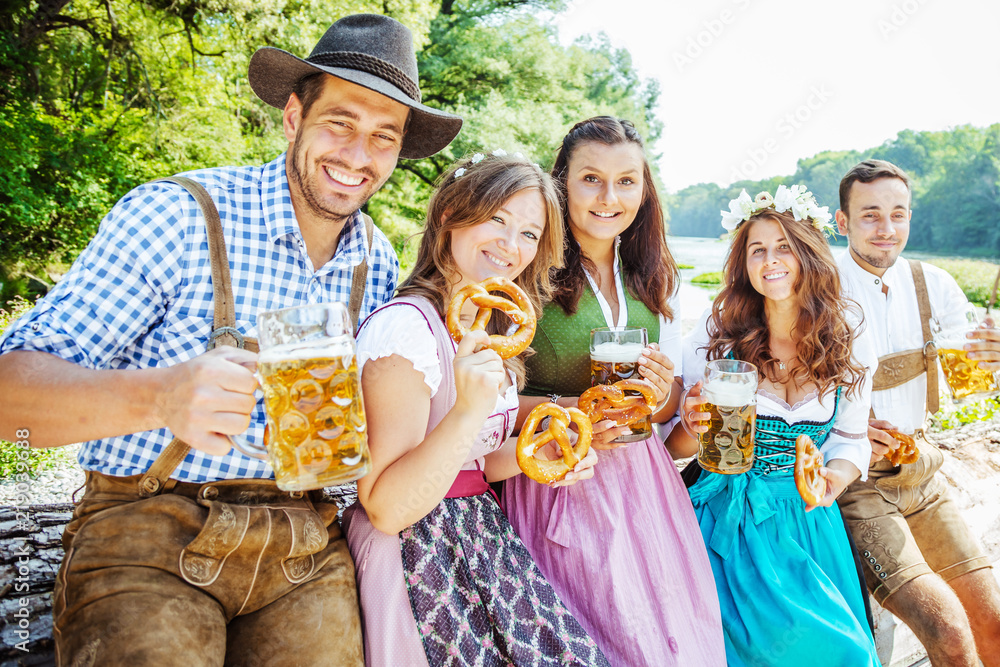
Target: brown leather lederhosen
903 520
898 368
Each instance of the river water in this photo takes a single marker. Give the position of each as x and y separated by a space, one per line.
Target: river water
705 255
709 255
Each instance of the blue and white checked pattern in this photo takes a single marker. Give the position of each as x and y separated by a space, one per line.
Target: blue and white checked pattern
140 294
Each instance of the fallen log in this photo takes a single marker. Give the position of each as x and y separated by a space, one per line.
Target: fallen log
30 554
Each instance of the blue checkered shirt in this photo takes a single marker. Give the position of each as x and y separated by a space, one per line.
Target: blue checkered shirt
140 295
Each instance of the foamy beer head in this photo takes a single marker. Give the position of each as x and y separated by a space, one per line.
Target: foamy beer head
730 394
730 391
316 433
612 362
614 353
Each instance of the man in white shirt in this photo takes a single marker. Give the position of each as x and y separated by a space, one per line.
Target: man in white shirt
922 563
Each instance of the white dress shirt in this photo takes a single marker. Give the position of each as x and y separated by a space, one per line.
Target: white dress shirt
893 320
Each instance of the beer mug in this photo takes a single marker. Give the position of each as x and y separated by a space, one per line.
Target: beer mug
730 392
966 380
316 434
614 356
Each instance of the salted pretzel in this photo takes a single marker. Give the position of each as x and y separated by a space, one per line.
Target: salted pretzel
808 461
609 401
907 451
546 472
517 308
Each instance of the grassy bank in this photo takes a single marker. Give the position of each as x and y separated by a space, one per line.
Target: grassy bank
975 277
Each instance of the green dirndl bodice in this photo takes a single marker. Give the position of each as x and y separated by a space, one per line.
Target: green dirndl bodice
561 363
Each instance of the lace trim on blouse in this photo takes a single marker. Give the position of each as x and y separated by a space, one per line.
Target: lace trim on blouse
812 395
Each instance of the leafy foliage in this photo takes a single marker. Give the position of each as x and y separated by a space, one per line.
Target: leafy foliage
99 96
951 417
975 277
710 278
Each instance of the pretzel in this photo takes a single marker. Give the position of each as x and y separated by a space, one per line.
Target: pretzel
517 308
528 442
907 451
609 401
808 461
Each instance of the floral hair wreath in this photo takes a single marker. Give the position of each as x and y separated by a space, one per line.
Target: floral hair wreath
800 201
479 157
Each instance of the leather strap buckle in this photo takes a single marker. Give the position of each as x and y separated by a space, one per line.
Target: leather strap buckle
222 331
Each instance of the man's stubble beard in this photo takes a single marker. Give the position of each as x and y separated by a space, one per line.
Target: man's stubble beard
878 262
310 194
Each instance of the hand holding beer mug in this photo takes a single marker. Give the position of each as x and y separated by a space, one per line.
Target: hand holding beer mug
729 394
614 356
966 379
316 433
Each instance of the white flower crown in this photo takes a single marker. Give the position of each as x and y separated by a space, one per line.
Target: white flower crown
479 157
800 201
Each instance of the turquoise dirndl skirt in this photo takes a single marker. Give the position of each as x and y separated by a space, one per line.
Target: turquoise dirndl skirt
787 582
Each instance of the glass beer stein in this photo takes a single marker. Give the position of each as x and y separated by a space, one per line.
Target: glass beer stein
316 434
966 380
614 356
730 391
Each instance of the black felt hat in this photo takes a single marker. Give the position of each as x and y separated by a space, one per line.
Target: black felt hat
370 50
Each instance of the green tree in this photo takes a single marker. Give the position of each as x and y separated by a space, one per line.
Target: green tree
102 95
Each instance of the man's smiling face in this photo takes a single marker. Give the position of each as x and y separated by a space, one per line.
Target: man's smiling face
344 148
877 222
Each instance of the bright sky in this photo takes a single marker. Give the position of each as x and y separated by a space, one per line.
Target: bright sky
750 86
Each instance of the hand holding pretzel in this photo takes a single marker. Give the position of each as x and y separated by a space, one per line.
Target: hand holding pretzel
517 308
907 451
528 442
808 463
609 401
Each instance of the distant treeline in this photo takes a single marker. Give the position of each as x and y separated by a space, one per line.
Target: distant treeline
955 182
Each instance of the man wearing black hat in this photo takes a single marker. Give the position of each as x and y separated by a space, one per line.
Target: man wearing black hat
182 550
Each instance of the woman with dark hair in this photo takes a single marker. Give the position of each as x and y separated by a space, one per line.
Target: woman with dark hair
785 571
622 550
442 578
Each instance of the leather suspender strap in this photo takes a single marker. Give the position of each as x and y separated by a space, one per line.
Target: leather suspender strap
224 331
930 352
361 275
